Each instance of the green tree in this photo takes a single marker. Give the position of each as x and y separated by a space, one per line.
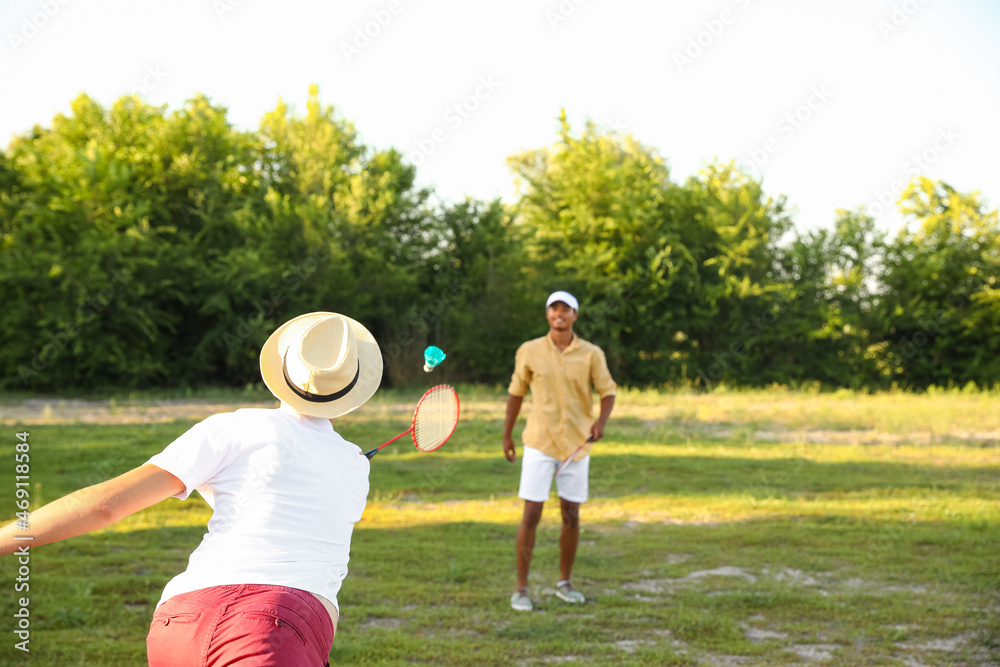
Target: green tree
828 315
739 322
940 307
484 306
592 209
145 248
671 276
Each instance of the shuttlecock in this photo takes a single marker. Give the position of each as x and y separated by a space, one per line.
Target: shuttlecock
432 357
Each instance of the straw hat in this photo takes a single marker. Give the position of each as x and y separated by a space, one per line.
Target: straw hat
322 364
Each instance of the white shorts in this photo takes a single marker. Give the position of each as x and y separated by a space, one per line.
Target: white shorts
537 470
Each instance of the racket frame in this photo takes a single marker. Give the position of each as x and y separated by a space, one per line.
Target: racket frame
413 423
416 411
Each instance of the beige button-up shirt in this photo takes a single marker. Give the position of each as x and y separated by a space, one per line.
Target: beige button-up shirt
560 384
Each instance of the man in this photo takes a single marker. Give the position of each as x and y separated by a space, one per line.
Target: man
559 369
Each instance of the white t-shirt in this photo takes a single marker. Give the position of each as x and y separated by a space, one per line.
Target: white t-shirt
286 491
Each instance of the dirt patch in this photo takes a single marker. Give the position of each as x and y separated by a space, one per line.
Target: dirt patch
814 652
390 623
791 576
947 645
723 660
758 636
647 585
558 659
75 411
823 583
662 585
630 645
824 650
872 587
724 571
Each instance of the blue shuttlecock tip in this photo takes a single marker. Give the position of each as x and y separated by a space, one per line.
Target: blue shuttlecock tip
432 357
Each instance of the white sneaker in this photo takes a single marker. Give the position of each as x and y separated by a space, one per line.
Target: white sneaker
568 593
520 601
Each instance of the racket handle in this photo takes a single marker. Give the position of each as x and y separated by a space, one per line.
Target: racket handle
372 452
573 456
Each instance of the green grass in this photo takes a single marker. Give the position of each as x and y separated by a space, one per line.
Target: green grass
715 529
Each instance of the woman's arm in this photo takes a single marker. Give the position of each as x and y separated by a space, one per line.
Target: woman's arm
92 508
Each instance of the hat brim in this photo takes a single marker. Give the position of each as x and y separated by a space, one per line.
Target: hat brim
369 362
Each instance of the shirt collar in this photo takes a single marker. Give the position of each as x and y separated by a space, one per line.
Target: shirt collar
573 343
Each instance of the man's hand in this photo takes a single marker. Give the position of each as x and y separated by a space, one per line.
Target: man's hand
508 448
597 431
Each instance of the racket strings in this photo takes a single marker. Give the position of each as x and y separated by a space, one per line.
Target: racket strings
435 418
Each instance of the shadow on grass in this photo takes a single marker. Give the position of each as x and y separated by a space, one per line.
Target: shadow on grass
611 476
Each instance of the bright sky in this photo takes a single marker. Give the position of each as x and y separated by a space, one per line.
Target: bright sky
835 104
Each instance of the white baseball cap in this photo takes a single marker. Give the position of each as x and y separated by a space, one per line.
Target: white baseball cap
565 297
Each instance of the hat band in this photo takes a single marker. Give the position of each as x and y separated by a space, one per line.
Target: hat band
317 398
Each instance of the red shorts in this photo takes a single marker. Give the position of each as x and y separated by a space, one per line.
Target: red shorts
245 624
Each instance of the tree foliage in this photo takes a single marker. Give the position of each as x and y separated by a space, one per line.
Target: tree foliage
142 247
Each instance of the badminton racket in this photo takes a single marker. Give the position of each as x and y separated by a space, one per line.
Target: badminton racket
434 420
573 455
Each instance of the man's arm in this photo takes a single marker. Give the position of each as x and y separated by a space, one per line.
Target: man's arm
92 508
605 386
597 429
513 409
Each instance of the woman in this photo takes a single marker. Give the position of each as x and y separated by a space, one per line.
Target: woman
285 489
